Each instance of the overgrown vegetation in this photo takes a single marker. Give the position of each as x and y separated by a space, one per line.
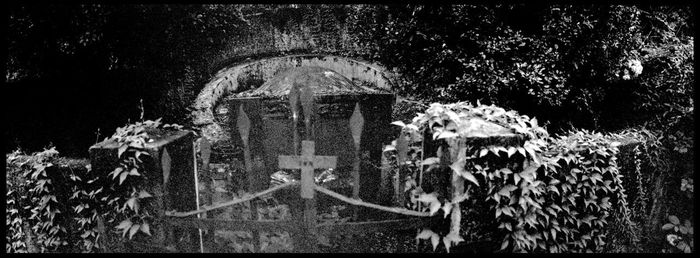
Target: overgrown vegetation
39 222
563 64
570 66
547 194
36 221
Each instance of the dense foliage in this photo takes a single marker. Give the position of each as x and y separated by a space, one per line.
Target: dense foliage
39 221
598 67
100 60
547 194
33 211
563 64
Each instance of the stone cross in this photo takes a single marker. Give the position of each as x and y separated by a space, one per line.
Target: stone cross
307 162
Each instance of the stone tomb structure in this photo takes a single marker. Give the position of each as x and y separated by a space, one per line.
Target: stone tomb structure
344 120
215 117
169 174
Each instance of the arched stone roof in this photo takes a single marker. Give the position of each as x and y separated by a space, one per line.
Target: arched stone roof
226 81
323 81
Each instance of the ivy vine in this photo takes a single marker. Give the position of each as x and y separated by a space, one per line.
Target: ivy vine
546 194
127 199
34 214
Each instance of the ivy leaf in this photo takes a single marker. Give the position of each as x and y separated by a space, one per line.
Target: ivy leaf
398 123
469 176
596 177
434 207
389 148
511 151
425 234
130 203
673 219
533 122
133 230
134 172
412 127
116 172
483 152
124 226
667 226
144 194
121 150
505 191
496 150
447 244
506 171
530 151
145 228
122 177
504 244
507 211
86 234
435 240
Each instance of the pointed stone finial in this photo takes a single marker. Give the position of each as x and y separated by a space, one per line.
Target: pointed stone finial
243 124
356 124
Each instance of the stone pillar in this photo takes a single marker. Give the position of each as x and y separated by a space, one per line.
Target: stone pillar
168 174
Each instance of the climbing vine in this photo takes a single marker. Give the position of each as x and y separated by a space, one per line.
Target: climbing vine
127 200
546 194
34 215
84 202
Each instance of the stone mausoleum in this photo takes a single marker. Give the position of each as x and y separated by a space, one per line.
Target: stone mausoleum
335 99
258 92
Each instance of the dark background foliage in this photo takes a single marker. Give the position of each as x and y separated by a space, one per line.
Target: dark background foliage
562 64
74 69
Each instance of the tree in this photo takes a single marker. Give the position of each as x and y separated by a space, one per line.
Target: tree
565 64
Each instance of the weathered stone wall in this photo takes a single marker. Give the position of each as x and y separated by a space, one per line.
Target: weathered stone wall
318 29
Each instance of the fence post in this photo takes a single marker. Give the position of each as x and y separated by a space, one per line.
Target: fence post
205 154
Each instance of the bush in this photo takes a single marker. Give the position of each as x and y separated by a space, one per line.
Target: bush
57 205
546 194
37 217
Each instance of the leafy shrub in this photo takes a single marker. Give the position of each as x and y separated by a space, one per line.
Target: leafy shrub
591 186
34 212
564 64
40 219
680 235
547 194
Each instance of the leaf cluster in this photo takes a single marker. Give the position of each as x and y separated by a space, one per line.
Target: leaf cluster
125 201
547 194
34 212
